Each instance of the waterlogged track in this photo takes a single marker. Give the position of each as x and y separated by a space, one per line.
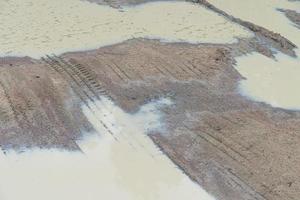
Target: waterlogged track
82 82
81 76
130 168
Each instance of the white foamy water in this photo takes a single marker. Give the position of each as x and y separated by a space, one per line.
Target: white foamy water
125 166
272 81
38 27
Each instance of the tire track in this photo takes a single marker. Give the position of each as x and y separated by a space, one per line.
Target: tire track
78 89
117 71
228 151
234 178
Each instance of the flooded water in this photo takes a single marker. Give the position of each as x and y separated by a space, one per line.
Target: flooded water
272 81
125 166
275 82
38 27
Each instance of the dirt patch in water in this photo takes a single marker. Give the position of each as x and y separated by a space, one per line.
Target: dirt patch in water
121 3
292 15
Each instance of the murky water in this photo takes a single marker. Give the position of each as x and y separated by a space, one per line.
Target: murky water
38 27
125 166
275 82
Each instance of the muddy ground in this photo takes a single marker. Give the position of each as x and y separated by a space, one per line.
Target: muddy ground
293 16
120 3
234 147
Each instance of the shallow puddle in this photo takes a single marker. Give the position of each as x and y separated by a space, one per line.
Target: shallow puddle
122 163
38 27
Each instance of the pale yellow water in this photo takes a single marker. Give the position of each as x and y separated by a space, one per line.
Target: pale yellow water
38 27
131 168
275 82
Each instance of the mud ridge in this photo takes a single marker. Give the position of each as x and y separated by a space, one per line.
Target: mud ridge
292 15
275 40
